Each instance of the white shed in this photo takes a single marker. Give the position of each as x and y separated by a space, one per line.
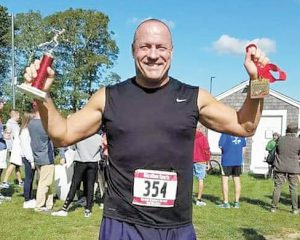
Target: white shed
279 110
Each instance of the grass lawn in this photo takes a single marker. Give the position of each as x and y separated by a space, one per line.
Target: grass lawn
251 221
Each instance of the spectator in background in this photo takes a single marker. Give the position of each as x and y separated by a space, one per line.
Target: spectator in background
86 161
102 168
269 147
43 155
28 161
104 146
201 157
13 128
272 143
2 102
3 148
232 148
286 166
299 159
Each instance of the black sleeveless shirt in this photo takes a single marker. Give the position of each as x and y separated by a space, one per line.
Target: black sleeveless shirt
150 129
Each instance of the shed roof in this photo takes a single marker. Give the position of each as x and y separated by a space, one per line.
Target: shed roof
272 92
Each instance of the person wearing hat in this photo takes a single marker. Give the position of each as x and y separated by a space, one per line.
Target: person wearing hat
286 166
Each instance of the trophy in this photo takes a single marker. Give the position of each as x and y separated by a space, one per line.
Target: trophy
259 88
35 89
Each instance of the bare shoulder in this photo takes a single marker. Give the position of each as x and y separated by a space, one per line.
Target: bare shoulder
86 121
205 99
97 100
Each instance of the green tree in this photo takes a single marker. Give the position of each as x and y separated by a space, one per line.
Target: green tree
86 52
29 33
111 79
4 46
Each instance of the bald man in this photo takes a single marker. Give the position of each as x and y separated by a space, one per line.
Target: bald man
150 121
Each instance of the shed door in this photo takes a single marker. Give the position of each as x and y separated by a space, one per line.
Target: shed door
275 121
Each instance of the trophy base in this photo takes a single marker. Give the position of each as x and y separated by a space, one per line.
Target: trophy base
32 91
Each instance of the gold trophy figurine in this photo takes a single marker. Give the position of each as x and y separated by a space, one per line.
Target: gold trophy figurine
35 89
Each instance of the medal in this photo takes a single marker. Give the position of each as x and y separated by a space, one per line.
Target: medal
259 88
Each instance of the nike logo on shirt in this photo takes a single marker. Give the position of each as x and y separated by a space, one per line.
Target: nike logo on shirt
181 100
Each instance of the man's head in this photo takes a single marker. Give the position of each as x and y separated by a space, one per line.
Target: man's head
35 109
292 128
152 52
15 115
276 135
34 106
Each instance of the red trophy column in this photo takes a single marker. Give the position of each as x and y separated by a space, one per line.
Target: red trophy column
38 83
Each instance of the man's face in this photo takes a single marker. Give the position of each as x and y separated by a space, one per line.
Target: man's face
152 52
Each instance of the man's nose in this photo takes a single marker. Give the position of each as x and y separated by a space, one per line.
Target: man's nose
153 53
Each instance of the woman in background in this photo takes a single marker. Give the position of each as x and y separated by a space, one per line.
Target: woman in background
27 159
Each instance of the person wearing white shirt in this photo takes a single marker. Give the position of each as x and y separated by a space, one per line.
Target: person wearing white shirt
28 161
13 145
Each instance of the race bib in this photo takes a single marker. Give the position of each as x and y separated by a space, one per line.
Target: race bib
154 188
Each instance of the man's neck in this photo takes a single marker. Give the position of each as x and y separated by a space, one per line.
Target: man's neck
149 83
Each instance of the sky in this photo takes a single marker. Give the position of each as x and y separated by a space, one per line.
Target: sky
209 37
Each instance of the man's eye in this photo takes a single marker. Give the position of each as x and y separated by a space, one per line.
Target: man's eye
161 48
144 48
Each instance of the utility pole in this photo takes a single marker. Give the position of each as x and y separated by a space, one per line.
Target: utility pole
210 84
13 79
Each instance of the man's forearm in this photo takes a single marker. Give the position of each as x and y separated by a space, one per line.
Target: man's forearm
54 124
250 113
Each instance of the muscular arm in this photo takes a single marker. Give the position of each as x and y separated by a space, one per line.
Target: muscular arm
79 125
222 118
82 124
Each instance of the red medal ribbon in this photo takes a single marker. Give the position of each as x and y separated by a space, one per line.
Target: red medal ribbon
264 72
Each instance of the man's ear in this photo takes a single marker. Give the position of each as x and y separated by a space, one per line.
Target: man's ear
132 50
